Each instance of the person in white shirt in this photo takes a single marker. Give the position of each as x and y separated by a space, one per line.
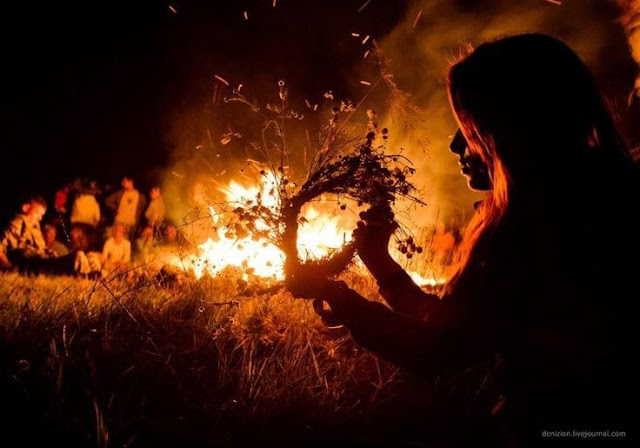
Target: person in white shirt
85 209
85 214
116 253
128 204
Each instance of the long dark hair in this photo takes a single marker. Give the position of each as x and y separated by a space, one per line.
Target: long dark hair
532 111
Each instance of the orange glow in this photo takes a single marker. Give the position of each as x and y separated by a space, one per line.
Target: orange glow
426 281
321 232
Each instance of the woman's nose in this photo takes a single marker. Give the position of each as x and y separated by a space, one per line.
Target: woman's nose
458 144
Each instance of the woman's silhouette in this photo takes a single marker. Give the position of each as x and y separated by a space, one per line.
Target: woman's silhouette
548 263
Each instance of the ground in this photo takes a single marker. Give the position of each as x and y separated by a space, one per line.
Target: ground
132 362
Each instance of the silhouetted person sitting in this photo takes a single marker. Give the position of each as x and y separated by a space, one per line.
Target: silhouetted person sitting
144 246
173 240
79 240
548 263
53 245
23 245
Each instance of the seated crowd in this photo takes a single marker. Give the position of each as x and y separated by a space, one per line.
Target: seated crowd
89 234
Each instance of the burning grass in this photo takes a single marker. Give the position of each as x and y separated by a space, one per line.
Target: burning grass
201 363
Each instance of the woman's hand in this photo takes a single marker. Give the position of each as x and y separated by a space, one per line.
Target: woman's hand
313 287
372 239
342 300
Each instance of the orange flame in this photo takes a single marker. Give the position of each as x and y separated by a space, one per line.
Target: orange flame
321 232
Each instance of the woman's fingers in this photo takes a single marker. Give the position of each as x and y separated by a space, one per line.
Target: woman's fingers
311 287
328 317
318 307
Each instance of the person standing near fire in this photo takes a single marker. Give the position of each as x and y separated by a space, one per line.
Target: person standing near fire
155 212
85 209
128 205
85 213
547 267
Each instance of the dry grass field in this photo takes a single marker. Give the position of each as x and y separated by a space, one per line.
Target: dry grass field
128 361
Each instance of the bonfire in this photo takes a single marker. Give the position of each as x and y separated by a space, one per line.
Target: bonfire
269 230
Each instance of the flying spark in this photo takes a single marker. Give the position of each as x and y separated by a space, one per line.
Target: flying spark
364 5
415 22
221 79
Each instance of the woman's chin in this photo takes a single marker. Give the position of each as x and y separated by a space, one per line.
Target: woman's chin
478 184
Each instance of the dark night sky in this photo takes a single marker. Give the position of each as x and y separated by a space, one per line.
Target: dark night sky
90 88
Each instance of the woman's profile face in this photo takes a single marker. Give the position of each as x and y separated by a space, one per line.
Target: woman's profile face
471 165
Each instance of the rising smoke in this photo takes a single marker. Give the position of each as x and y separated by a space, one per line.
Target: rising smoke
432 35
420 47
630 20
